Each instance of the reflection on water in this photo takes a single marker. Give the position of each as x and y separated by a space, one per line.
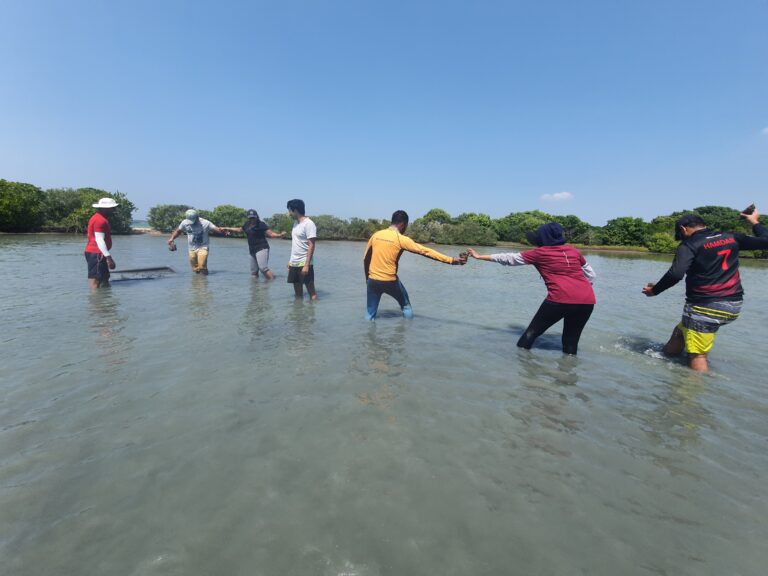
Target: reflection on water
200 297
547 387
299 331
539 368
382 350
679 414
259 317
107 323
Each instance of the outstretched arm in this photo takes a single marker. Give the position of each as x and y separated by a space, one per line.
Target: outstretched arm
681 263
271 234
221 230
506 259
407 244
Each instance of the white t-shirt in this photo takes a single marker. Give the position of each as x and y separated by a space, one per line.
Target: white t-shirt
301 234
197 232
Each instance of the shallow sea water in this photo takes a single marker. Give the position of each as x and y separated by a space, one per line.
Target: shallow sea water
213 426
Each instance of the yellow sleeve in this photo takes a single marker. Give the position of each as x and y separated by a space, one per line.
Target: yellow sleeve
408 244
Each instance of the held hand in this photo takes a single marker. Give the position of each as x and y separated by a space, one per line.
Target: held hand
111 263
472 252
648 290
458 262
753 218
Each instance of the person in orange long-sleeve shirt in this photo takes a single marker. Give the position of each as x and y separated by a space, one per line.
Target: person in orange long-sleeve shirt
381 259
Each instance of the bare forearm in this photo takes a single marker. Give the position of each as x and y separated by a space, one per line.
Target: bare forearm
310 253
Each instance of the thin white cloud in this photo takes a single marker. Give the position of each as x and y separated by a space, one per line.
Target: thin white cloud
765 130
557 197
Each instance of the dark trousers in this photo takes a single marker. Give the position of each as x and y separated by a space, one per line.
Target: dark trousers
395 289
575 317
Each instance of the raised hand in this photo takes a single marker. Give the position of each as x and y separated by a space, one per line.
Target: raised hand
751 217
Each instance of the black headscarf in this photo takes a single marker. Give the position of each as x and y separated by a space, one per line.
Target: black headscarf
551 234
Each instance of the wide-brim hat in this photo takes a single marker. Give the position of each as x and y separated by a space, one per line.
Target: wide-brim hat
106 203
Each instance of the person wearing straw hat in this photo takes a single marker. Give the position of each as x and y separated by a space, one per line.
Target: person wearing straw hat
196 229
97 255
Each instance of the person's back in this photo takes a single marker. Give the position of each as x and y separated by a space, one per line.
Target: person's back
562 269
709 261
385 248
385 251
714 270
382 256
568 278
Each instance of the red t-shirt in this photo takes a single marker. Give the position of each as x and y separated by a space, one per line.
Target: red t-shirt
560 267
98 223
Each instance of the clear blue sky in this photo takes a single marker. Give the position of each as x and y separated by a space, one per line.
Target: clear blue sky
362 107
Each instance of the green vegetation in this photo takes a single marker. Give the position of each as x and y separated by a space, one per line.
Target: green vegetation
166 217
21 207
27 208
472 229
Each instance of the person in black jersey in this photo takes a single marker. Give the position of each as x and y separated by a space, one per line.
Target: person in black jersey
257 231
709 261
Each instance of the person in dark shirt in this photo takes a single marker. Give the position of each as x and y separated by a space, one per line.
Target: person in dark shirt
257 231
709 261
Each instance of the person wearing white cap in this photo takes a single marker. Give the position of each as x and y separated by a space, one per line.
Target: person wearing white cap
97 255
196 229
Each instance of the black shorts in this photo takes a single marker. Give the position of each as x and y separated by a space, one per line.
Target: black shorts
294 275
97 266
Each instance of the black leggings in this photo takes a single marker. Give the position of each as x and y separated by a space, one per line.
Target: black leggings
576 316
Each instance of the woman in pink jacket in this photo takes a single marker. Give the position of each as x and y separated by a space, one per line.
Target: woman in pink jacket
568 278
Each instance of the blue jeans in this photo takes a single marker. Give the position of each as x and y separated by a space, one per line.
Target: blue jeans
395 289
